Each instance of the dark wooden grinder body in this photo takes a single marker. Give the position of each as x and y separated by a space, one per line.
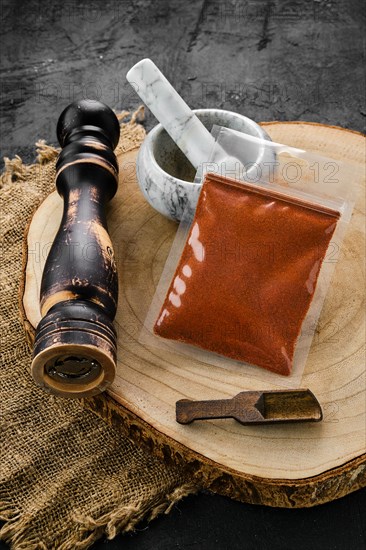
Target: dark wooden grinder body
75 345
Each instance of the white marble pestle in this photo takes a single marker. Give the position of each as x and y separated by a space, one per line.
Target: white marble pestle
167 192
183 126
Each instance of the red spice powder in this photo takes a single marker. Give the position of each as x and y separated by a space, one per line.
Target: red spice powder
247 273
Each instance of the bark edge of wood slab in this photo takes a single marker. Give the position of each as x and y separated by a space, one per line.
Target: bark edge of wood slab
75 345
209 474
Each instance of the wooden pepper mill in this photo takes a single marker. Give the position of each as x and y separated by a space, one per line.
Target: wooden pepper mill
75 344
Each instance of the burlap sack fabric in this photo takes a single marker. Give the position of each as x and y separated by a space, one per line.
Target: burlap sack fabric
66 478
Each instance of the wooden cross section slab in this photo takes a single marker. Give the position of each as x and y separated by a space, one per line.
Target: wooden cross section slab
291 465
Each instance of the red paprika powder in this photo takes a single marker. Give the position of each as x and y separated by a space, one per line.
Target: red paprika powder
247 274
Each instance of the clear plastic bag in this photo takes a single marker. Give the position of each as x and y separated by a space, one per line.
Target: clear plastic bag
250 266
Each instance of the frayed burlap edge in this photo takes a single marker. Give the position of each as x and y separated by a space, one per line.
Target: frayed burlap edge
124 518
15 170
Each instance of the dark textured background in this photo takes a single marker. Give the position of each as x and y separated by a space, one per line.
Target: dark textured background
288 60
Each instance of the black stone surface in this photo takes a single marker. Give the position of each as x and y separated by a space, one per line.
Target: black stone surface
270 60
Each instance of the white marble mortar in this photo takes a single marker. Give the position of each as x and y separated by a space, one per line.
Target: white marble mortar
166 176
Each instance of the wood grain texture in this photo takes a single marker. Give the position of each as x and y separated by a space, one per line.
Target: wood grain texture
288 466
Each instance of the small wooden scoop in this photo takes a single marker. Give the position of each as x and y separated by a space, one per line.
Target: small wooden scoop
254 407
